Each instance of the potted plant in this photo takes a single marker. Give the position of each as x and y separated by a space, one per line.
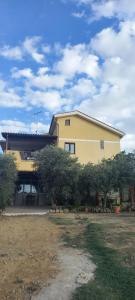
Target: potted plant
117 207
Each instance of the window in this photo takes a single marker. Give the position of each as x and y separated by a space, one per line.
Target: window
70 147
67 122
102 146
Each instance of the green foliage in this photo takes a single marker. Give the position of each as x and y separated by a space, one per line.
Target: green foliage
87 183
59 175
7 179
124 168
65 182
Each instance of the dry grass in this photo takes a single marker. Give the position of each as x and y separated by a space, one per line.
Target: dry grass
118 231
28 255
29 247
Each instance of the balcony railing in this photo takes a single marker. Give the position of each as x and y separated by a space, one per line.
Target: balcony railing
27 155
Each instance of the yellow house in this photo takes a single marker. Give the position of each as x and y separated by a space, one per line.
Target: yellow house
85 137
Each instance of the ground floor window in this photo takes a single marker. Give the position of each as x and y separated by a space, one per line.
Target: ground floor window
70 147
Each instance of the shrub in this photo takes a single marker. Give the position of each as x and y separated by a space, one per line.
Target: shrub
7 179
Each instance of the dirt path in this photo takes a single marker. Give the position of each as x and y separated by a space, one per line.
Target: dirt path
76 269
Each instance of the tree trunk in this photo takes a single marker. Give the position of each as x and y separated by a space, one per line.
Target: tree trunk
121 195
105 199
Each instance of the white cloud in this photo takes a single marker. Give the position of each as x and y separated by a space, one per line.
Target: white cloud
78 14
50 100
46 49
18 126
41 80
26 73
48 81
76 60
121 43
121 9
128 142
82 89
8 96
14 53
30 46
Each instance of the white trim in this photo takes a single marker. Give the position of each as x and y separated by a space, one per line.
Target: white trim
89 118
89 141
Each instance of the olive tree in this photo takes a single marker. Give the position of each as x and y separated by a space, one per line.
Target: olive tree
7 179
59 174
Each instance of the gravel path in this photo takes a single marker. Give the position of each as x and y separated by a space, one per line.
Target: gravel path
76 269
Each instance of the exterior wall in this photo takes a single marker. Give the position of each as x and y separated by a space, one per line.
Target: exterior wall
87 136
21 165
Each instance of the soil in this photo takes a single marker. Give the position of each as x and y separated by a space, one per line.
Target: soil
76 269
28 255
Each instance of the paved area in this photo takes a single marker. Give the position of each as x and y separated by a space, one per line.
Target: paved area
25 211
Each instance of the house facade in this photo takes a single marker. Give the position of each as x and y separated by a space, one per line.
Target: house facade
84 137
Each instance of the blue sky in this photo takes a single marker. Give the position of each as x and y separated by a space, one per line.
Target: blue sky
61 55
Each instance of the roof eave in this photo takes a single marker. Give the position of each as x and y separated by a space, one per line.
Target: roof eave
100 123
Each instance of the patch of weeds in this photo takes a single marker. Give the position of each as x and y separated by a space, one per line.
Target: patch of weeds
113 281
61 221
33 287
18 280
72 241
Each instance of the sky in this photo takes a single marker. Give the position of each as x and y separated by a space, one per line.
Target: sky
63 55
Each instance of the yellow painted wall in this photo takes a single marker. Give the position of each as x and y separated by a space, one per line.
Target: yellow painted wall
91 152
86 136
21 165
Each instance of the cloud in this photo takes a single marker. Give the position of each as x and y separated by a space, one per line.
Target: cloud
76 60
18 126
41 80
8 96
51 100
30 46
121 43
97 9
26 73
128 142
114 98
121 9
78 14
14 53
81 90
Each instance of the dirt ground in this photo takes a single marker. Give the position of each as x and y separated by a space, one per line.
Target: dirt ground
28 255
30 247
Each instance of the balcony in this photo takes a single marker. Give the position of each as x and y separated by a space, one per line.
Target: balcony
24 160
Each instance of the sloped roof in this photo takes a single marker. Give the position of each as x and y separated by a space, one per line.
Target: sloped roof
23 134
89 118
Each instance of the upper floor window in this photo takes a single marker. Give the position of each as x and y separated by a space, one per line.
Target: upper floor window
67 122
102 145
70 147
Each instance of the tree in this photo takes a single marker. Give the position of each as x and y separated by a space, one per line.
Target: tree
124 168
59 174
87 183
104 178
7 179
